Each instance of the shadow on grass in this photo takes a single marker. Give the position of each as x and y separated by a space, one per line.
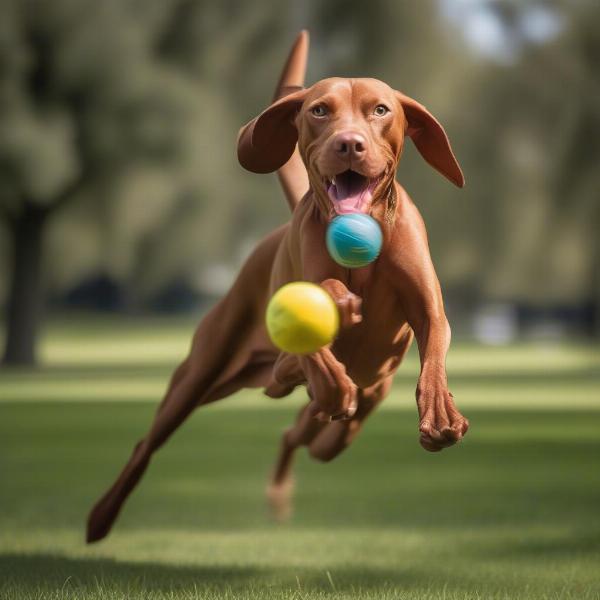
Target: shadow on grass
535 550
36 575
56 572
39 572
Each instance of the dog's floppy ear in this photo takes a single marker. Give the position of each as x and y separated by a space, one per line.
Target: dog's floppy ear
430 139
268 141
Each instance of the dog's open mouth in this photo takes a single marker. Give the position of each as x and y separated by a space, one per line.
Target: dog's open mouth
350 192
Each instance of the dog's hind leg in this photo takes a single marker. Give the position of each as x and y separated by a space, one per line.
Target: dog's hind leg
335 437
230 351
324 441
191 388
281 486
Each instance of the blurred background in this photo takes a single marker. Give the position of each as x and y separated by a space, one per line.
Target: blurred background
124 215
120 190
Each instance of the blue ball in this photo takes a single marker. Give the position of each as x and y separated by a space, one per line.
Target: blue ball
354 240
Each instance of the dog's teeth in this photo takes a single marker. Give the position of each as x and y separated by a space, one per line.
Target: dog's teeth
333 180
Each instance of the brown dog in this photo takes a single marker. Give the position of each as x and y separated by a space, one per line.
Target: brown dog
336 145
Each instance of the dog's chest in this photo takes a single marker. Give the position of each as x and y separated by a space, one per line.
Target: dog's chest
359 280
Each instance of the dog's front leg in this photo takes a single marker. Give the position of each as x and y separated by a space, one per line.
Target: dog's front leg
332 391
441 424
420 297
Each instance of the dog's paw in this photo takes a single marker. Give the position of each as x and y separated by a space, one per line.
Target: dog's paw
279 499
441 424
334 395
349 305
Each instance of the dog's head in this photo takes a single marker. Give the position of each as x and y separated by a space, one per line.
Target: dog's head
350 133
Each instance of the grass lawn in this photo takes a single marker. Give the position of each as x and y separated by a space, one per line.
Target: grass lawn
512 512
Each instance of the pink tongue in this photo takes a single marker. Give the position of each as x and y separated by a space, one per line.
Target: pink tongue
348 198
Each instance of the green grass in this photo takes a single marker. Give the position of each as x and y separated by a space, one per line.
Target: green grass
512 512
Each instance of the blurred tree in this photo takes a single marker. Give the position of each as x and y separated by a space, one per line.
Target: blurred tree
543 113
126 111
83 98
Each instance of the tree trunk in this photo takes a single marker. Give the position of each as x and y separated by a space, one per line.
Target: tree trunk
596 290
25 299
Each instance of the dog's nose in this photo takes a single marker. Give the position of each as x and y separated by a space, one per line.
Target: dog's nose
349 145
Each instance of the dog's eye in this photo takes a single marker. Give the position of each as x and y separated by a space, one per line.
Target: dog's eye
319 110
381 110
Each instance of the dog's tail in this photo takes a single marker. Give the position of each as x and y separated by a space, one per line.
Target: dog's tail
293 176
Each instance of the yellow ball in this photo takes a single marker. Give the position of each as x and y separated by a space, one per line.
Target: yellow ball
301 318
